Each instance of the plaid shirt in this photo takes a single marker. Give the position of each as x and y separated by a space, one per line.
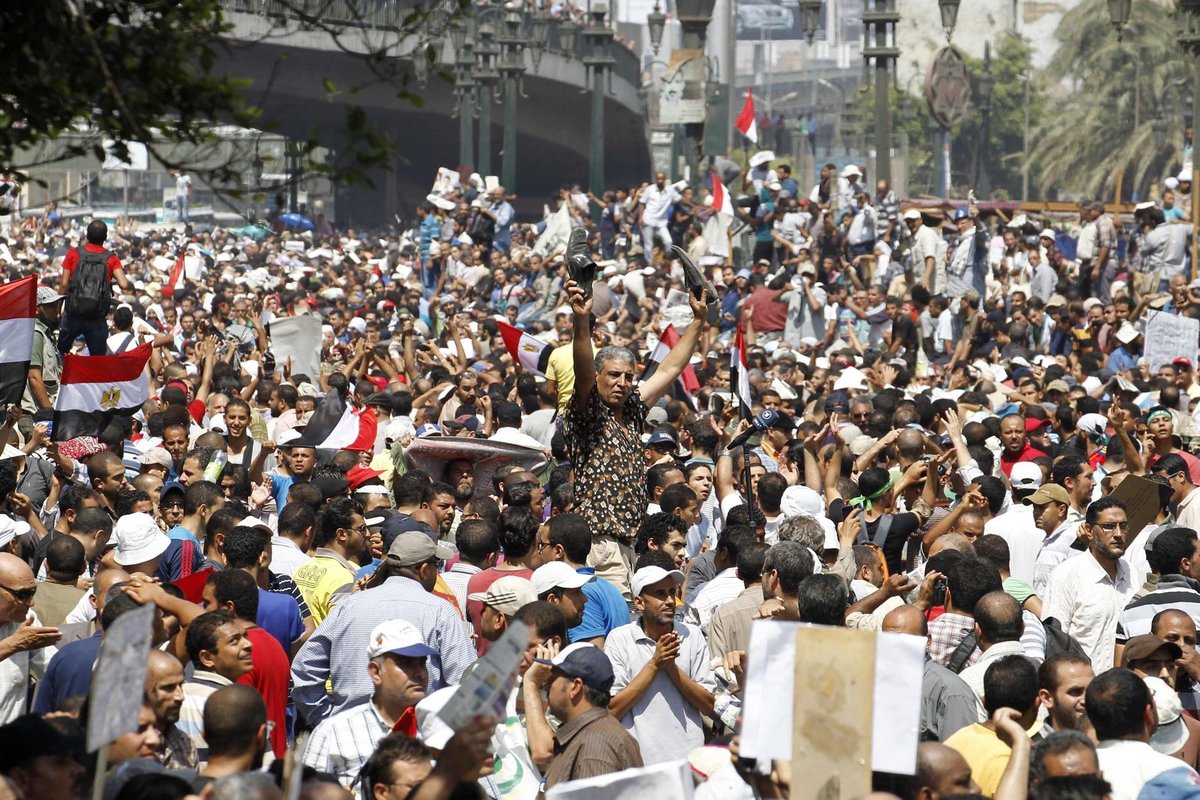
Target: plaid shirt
888 208
337 651
341 744
946 634
191 714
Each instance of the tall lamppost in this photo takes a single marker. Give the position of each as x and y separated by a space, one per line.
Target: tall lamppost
487 80
949 12
985 108
656 21
879 31
694 16
464 90
1118 13
597 39
1189 40
512 67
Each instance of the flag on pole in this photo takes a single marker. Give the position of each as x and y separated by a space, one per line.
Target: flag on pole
687 381
93 390
176 274
17 312
530 352
335 425
745 121
739 371
722 203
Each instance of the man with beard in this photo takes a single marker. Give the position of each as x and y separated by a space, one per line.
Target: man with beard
1063 679
342 547
663 683
46 362
461 476
164 694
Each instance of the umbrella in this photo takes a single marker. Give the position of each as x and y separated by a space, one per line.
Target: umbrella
255 232
294 220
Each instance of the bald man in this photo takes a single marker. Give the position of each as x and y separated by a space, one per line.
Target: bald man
947 703
25 646
998 629
164 693
235 727
86 609
941 772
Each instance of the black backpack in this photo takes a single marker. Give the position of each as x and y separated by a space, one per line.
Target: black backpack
89 292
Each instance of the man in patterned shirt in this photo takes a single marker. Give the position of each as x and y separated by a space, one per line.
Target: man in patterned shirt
1105 265
342 743
602 431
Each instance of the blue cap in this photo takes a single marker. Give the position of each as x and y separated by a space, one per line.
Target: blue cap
428 429
171 486
837 401
1180 783
661 437
961 213
743 273
770 418
586 662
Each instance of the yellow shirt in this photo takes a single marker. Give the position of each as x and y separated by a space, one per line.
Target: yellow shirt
319 577
985 753
560 368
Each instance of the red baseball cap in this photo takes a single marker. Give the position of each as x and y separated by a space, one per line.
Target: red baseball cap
1033 423
359 475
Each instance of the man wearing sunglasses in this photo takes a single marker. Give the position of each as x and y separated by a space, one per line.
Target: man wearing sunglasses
25 646
1087 593
1184 496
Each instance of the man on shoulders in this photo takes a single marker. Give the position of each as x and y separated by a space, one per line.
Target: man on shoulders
89 293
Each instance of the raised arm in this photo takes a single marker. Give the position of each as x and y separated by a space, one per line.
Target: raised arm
668 371
581 346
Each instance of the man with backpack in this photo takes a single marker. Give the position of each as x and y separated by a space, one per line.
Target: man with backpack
87 275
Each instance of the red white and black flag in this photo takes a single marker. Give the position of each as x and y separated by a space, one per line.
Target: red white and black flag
17 310
530 352
94 389
739 373
335 425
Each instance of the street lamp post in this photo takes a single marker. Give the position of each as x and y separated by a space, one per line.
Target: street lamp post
810 18
1118 13
1189 40
879 27
949 11
512 67
487 80
464 91
694 16
597 39
985 107
656 21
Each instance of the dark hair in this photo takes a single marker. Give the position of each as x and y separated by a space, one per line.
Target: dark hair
476 539
734 538
994 549
1170 547
676 496
1067 467
1116 704
822 599
573 533
655 528
969 580
127 499
295 519
1010 682
998 616
200 493
654 558
202 633
993 489
1171 464
65 559
73 497
411 488
1057 743
656 476
336 514
1073 787
97 232
486 508
155 786
1048 671
391 748
89 520
791 562
237 587
1097 508
546 617
243 546
116 603
233 716
750 562
518 529
770 491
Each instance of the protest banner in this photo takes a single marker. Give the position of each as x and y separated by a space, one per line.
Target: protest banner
670 780
485 689
1140 497
298 338
1168 337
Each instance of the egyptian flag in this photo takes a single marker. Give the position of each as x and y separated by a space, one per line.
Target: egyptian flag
722 203
687 384
94 389
745 121
176 274
335 425
17 310
739 373
530 352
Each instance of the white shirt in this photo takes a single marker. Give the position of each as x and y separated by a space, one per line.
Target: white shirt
1024 537
1088 604
514 436
1129 765
658 202
666 726
724 587
1188 513
286 555
15 673
973 675
1055 550
457 578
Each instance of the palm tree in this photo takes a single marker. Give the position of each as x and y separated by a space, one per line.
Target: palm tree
1100 131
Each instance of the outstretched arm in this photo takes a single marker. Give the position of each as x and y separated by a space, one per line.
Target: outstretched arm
581 347
657 384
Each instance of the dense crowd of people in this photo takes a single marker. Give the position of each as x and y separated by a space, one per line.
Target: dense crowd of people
821 406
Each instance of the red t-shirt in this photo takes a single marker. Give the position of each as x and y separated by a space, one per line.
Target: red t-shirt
270 677
770 315
1193 464
478 584
72 258
1028 454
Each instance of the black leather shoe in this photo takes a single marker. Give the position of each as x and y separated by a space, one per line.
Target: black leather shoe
580 266
699 285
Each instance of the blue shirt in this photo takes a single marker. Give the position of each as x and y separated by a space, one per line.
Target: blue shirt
179 533
1121 360
279 615
280 484
604 610
69 674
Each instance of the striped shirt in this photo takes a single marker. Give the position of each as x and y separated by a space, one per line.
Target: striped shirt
342 743
283 584
337 651
720 590
1176 592
191 714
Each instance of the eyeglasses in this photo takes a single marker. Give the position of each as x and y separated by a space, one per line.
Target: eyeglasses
1112 526
21 595
543 545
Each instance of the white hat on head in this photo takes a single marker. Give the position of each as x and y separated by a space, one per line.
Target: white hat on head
11 528
762 157
557 575
851 169
1025 475
912 213
399 637
1127 333
648 576
1172 733
138 539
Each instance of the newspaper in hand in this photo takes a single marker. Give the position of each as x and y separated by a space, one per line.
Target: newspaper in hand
485 689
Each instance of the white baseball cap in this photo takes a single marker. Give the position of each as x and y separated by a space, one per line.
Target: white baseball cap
139 539
557 575
648 576
398 637
1025 475
506 595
